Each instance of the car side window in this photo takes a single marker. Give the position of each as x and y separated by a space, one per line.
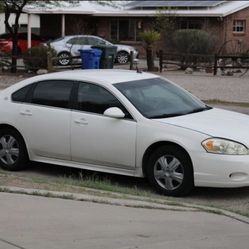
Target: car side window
54 93
95 41
78 41
21 94
96 99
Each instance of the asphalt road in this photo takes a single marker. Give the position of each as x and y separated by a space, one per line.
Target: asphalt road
29 222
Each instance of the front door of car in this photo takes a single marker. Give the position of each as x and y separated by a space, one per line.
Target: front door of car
98 139
45 121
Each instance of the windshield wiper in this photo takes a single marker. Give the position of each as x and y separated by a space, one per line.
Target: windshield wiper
170 115
200 109
167 115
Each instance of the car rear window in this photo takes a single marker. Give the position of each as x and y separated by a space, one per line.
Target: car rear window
21 94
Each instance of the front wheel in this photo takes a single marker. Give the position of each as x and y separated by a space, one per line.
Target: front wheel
170 171
13 153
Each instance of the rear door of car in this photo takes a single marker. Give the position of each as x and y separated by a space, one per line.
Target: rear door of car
44 118
77 43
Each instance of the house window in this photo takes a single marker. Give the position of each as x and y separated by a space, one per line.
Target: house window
125 30
191 24
239 26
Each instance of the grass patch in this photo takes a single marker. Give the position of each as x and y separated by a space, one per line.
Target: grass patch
102 186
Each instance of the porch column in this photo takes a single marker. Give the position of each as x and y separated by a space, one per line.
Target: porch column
29 30
63 25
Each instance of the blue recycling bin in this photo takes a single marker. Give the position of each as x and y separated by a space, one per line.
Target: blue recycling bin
90 58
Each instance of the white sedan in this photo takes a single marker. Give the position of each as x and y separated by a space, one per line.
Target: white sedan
70 45
123 122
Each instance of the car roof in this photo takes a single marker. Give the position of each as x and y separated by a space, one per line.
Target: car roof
79 35
101 76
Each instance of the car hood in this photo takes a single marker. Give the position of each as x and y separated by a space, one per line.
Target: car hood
216 123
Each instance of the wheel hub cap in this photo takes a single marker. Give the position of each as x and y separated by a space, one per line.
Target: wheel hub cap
9 150
168 172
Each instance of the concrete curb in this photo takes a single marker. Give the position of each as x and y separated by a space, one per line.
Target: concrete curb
126 200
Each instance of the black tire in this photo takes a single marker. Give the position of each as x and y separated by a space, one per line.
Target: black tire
122 57
64 58
170 171
13 152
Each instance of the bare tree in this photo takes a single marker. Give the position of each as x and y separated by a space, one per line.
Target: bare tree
16 7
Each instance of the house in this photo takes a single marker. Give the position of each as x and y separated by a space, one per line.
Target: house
228 20
23 23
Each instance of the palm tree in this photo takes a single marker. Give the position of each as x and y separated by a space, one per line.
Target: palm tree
149 37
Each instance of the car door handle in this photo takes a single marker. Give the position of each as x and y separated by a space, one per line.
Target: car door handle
81 121
26 113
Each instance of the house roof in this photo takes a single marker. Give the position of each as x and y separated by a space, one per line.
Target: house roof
173 4
81 7
142 8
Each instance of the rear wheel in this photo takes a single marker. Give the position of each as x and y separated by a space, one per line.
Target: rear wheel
122 57
170 171
13 153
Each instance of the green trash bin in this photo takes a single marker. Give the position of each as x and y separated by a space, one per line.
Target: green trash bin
108 56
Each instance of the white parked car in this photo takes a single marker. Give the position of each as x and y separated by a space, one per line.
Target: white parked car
123 122
69 46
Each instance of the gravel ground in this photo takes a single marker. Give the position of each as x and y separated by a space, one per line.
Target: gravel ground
8 80
205 86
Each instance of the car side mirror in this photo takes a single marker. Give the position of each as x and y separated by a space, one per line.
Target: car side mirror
114 112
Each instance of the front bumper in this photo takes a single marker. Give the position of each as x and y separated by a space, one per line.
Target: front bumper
212 170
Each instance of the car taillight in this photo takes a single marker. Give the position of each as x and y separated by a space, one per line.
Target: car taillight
2 42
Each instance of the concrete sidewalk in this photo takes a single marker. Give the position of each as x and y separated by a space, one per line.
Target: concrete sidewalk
28 222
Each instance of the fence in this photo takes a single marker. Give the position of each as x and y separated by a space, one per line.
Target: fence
230 62
50 63
185 60
208 62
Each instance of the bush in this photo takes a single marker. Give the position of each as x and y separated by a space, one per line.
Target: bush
149 37
37 57
193 42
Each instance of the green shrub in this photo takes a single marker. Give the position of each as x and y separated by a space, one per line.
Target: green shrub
37 57
149 37
193 41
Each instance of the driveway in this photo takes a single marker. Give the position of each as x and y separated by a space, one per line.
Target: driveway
28 222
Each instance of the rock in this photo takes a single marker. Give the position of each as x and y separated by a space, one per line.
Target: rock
5 68
42 71
189 70
229 73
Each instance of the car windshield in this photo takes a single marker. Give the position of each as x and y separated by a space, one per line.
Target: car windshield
157 98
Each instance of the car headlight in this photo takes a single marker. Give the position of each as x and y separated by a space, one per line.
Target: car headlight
225 147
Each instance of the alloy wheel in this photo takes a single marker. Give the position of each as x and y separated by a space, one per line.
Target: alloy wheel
169 172
9 150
